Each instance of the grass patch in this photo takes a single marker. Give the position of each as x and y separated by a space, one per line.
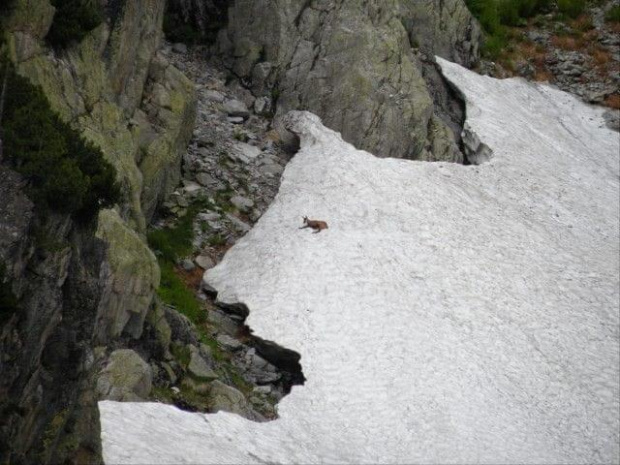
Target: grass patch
571 8
613 15
174 292
173 243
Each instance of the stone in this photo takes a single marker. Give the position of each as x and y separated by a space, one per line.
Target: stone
205 179
263 106
182 330
191 189
188 265
228 399
172 377
612 119
214 96
126 377
246 152
179 200
160 96
236 108
198 367
263 390
237 223
242 203
209 216
229 343
208 289
271 169
179 48
156 317
204 261
235 119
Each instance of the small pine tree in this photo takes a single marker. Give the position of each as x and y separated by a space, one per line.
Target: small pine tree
66 173
73 20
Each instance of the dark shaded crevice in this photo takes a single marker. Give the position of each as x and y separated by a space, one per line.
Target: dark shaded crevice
448 101
287 361
195 21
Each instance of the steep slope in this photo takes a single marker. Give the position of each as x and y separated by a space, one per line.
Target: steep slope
448 314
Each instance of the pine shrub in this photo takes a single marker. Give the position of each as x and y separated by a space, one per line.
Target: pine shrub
73 20
65 172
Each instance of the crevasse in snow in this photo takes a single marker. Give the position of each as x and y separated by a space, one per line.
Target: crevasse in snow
449 314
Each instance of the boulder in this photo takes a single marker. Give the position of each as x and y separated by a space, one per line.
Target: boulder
236 108
204 261
228 399
215 96
245 152
263 106
126 377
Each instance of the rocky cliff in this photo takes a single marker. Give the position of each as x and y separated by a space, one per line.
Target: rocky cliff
79 287
360 65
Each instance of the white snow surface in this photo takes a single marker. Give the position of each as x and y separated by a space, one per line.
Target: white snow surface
450 314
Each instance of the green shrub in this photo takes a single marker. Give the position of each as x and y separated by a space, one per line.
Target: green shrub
73 20
571 8
613 15
171 244
495 15
65 172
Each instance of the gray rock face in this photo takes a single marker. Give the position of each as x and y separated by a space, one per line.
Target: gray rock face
353 64
126 377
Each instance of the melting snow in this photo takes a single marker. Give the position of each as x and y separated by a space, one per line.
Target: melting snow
449 314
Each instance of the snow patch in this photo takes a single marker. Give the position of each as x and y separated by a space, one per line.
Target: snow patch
449 314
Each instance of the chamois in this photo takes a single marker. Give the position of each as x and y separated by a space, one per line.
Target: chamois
317 225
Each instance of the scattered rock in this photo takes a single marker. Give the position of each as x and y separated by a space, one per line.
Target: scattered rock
612 119
229 343
206 179
235 119
198 367
241 203
215 96
245 152
204 261
237 223
235 107
263 106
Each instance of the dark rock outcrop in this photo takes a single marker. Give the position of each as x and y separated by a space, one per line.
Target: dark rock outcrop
47 401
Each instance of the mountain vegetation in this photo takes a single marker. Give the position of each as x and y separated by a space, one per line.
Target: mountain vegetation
66 173
496 16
